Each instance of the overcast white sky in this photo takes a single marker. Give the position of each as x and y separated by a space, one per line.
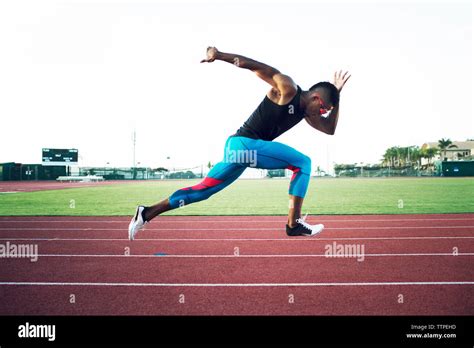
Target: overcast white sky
84 74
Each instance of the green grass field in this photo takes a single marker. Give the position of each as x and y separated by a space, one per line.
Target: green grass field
257 197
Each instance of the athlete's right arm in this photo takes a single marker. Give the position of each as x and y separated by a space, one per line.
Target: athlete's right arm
281 84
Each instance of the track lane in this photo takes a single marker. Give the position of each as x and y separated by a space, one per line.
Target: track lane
245 247
239 269
240 218
417 300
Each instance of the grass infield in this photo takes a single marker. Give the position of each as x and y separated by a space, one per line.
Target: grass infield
257 197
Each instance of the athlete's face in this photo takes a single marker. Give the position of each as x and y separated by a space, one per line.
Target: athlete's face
317 105
323 107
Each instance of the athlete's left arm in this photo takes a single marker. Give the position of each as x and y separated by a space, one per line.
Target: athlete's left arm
328 124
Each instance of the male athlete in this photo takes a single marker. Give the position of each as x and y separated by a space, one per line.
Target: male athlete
284 106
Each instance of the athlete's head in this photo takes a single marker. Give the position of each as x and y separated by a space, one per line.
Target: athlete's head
323 96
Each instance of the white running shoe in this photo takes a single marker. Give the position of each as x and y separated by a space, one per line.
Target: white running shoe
137 223
303 228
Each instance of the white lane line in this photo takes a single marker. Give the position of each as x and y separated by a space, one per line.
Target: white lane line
323 220
234 284
299 239
245 256
227 229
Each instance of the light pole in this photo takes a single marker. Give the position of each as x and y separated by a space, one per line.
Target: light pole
134 139
168 164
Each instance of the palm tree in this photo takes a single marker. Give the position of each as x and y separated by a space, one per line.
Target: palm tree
406 155
428 153
390 155
402 156
386 158
444 144
415 155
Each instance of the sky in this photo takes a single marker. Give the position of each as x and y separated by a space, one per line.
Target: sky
86 74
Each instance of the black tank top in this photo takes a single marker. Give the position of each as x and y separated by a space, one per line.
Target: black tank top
271 120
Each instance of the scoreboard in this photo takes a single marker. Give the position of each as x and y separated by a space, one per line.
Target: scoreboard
59 157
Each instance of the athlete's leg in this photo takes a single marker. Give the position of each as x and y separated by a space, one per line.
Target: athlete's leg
157 209
274 155
219 177
294 211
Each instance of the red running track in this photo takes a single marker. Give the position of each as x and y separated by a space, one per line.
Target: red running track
30 186
239 265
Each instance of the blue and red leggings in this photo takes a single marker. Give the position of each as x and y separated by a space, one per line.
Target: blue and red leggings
241 153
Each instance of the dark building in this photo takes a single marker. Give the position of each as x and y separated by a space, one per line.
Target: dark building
457 168
18 171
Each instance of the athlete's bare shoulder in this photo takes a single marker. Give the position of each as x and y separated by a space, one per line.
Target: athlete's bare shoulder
282 98
274 95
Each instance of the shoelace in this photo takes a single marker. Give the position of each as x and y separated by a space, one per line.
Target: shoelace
303 223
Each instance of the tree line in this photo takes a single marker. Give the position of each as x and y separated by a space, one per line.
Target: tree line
411 156
402 158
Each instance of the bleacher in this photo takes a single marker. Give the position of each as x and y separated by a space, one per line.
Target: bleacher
87 178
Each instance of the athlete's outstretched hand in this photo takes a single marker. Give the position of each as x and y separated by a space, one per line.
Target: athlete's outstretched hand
341 79
211 55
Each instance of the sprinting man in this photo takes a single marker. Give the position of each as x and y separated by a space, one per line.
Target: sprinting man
284 106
